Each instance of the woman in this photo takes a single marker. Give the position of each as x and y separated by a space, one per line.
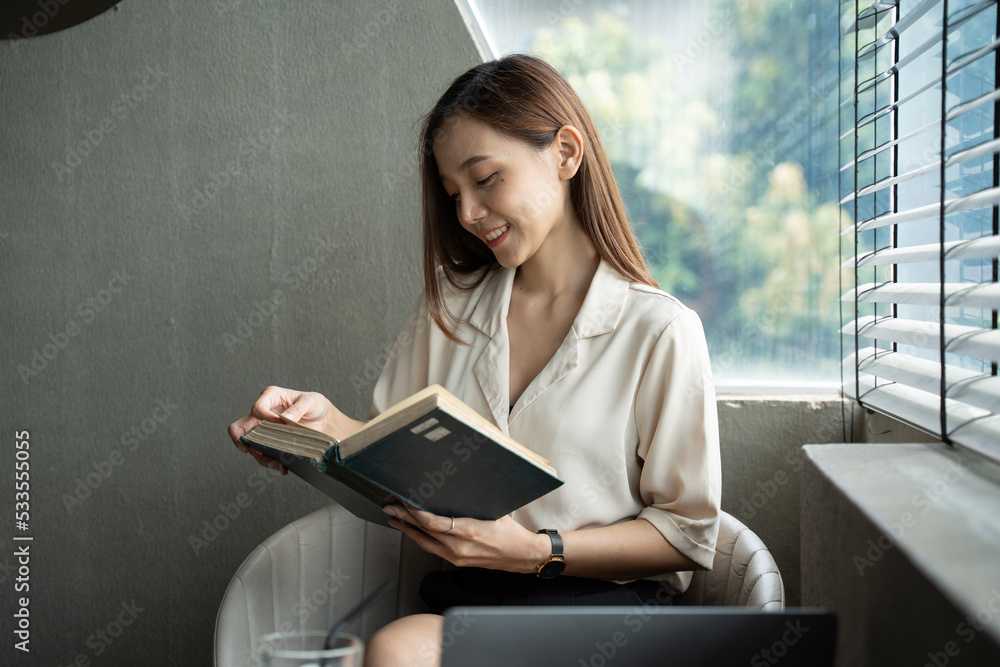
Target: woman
538 311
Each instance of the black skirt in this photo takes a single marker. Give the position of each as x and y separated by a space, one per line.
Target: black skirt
477 587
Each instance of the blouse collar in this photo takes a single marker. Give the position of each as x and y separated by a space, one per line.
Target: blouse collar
600 313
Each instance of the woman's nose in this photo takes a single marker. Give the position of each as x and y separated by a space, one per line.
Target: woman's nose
470 211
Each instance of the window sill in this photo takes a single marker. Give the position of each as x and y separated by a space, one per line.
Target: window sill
779 388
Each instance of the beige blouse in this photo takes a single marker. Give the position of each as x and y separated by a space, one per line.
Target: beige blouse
625 409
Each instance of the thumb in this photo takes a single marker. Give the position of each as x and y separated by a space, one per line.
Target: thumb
307 408
293 416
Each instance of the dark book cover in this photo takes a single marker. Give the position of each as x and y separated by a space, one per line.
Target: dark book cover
437 463
441 464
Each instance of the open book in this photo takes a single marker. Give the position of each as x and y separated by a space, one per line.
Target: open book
431 450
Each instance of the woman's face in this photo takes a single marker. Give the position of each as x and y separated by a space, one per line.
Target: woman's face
511 196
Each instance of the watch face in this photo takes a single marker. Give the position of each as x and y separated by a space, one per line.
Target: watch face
552 569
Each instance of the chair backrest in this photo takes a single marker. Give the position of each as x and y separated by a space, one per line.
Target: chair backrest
310 573
744 573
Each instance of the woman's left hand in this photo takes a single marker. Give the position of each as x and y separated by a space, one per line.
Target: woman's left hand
496 545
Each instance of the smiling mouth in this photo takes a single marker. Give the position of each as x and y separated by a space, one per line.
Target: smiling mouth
496 233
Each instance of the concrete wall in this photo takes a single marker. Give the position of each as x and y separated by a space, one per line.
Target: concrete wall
197 199
903 543
762 463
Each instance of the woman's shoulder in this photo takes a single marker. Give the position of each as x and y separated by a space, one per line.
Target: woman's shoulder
656 309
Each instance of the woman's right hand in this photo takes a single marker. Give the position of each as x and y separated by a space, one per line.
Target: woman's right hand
280 405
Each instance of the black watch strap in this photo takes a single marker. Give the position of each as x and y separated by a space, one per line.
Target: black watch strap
557 542
556 563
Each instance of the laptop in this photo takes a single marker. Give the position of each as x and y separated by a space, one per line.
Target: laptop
637 637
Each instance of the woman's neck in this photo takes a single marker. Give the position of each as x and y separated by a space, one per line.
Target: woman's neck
563 266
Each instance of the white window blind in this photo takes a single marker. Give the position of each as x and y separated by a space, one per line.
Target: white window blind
919 147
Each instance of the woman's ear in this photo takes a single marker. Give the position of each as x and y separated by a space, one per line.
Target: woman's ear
569 143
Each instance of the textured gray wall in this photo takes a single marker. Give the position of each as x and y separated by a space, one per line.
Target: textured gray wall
197 199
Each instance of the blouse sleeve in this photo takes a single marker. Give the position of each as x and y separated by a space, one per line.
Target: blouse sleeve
677 424
406 368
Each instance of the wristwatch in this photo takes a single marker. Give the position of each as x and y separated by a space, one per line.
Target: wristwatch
556 563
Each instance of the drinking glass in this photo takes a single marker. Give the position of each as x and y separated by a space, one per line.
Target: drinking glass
305 649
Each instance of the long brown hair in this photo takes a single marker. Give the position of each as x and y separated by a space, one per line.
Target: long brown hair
527 99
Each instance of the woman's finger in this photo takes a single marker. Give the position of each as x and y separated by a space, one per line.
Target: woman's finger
272 402
268 462
422 539
434 523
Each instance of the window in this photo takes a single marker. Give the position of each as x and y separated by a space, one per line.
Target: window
721 121
919 147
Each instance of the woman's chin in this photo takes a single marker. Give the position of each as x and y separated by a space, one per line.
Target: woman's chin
508 260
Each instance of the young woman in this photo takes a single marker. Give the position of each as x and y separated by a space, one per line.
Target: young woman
539 312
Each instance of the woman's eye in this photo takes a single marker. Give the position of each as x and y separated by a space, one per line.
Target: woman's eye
486 181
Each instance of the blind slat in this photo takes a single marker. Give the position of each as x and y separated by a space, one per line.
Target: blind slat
849 165
980 390
982 248
972 428
950 116
976 295
978 151
982 199
958 339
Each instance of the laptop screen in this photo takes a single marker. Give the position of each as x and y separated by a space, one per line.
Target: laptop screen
637 637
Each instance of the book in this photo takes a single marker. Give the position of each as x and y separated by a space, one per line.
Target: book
431 451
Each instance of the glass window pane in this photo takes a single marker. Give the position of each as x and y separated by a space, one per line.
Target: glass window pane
722 121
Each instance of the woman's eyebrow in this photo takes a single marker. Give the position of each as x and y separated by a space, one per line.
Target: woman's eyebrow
471 161
475 159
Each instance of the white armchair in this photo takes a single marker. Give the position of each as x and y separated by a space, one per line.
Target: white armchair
311 572
743 573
